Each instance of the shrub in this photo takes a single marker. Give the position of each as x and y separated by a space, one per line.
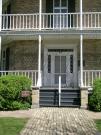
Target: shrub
95 98
10 92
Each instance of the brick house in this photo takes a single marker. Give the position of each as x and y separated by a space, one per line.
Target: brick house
56 43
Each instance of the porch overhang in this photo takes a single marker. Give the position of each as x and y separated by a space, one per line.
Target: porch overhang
51 32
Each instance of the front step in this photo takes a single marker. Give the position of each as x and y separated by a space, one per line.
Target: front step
69 97
48 97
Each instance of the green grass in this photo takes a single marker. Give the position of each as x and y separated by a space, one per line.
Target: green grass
98 124
11 126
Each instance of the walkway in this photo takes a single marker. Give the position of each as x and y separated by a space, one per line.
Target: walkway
59 121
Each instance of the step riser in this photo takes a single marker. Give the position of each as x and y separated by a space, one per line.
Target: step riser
68 98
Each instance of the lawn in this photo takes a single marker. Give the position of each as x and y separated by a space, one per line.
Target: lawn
11 126
98 124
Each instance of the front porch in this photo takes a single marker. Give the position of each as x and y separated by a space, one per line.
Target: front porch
45 60
59 57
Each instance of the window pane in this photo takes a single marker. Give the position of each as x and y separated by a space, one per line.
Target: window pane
63 10
56 3
63 3
56 10
63 64
57 64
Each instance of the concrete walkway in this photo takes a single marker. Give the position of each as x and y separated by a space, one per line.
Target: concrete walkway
59 121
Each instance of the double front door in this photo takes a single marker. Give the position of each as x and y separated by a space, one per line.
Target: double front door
59 62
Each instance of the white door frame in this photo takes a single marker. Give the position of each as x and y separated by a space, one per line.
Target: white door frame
67 54
63 46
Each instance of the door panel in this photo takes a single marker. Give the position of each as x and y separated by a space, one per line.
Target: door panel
63 64
60 68
57 64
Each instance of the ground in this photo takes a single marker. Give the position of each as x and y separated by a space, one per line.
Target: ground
59 121
11 126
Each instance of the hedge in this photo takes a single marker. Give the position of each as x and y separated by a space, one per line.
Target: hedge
95 97
11 87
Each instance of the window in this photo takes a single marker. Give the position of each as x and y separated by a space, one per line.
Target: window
49 63
3 59
59 5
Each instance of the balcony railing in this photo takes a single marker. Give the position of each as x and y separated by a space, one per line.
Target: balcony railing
89 76
31 74
51 21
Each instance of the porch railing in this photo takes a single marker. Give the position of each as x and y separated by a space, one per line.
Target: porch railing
89 76
31 74
52 21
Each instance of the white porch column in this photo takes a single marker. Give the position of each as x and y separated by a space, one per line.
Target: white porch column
81 60
0 28
81 46
39 83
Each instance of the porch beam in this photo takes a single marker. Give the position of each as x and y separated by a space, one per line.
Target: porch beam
81 46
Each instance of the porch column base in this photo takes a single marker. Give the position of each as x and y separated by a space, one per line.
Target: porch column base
35 98
84 98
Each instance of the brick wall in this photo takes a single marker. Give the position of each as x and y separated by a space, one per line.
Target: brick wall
26 6
24 55
92 54
89 5
32 6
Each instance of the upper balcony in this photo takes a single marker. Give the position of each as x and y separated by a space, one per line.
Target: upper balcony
51 21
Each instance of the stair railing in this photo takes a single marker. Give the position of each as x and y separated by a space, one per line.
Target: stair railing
59 91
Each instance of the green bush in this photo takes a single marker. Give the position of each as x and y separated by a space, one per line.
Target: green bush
95 98
10 92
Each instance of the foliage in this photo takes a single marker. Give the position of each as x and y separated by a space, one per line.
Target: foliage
95 98
11 126
10 92
98 124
